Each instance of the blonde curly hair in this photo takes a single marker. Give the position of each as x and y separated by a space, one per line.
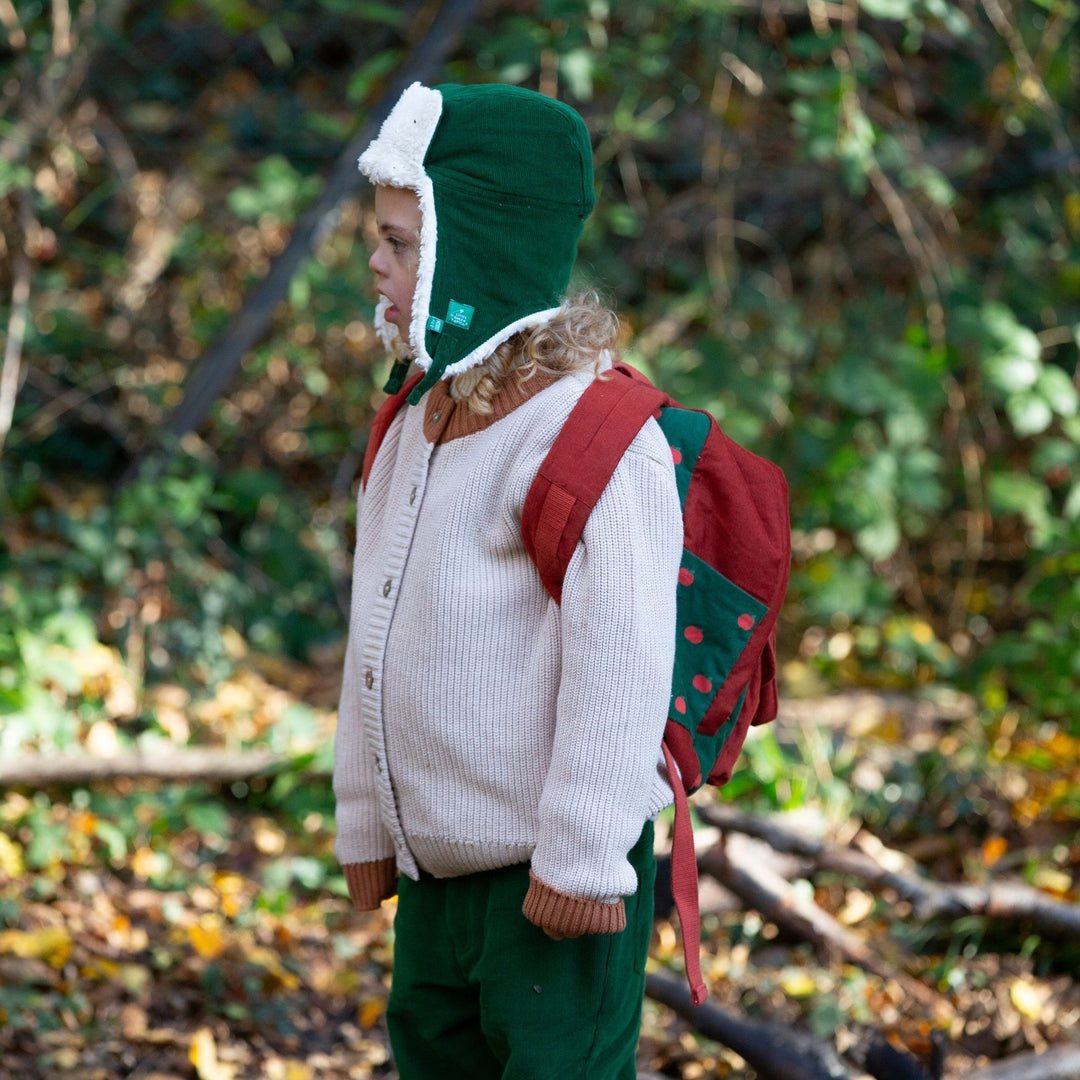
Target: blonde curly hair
576 339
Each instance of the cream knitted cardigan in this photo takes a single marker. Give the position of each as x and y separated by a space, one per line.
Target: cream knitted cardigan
480 724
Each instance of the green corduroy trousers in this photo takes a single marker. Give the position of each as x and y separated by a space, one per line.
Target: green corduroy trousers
479 993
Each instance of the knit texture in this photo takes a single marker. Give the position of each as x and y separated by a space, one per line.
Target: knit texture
446 419
504 180
371 883
481 724
563 916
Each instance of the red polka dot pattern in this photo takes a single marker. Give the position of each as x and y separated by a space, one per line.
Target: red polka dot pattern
702 684
676 455
680 705
746 621
694 635
686 577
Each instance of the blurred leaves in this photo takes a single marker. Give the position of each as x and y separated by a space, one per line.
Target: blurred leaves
850 232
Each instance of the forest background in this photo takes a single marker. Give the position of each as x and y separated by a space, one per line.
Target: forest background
848 228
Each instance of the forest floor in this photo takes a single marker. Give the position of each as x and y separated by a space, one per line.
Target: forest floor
156 931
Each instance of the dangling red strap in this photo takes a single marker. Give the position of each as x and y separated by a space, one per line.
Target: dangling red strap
684 883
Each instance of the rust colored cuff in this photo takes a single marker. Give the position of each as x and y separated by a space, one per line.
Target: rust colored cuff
370 883
560 915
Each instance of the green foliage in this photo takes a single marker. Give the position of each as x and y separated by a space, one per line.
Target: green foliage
856 241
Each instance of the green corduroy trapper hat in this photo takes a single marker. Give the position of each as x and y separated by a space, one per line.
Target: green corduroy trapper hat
504 180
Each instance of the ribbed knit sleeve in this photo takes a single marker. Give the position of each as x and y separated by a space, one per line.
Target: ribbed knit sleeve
561 916
618 639
371 883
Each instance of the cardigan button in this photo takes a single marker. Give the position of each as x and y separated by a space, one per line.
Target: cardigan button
387 585
436 417
369 678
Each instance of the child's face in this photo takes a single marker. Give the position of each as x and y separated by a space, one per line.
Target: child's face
394 261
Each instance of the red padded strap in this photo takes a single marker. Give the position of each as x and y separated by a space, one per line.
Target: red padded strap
381 424
684 882
579 465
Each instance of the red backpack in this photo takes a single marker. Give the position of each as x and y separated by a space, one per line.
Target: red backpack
732 579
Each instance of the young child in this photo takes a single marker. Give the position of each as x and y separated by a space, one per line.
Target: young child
497 754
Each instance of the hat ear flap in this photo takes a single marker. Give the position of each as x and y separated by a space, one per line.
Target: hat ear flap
396 159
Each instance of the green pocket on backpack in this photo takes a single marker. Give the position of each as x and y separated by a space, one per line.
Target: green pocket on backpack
714 622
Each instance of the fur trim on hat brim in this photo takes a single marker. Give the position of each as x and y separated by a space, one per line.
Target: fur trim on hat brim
484 350
396 159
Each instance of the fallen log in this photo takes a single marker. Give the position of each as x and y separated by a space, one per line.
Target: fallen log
874 1054
774 1051
880 867
1061 1062
763 889
189 765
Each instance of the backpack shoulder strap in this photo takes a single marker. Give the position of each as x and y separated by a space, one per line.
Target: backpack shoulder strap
381 424
597 433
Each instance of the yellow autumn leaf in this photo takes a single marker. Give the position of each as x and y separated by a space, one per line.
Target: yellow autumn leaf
268 960
203 1055
53 944
98 967
1027 999
369 1012
146 863
231 889
858 905
993 848
1052 880
798 984
207 937
11 857
1072 212
667 942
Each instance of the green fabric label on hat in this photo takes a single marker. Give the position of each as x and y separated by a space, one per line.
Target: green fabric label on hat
434 324
460 315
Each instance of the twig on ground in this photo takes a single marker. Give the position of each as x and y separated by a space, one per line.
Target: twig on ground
774 1051
1061 1062
767 892
883 867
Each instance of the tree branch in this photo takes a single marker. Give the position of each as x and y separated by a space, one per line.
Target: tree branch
219 363
1061 1062
774 1051
886 868
20 307
189 765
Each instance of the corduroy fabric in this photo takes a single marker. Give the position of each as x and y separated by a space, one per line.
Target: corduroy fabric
479 993
480 725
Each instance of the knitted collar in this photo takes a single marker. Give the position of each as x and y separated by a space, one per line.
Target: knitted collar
504 182
446 419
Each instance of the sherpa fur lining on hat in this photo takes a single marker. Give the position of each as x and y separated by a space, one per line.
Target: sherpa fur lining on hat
483 351
396 159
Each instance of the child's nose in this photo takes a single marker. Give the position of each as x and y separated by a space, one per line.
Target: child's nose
375 263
